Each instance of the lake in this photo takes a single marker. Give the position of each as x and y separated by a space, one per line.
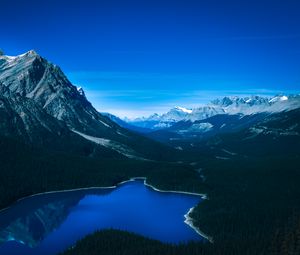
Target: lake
50 223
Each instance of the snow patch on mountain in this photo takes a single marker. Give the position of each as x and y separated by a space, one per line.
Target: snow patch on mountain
183 109
278 99
81 91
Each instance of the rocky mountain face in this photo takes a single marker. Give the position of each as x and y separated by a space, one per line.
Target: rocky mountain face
21 117
38 103
33 77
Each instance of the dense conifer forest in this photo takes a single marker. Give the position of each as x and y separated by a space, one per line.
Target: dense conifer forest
26 170
114 242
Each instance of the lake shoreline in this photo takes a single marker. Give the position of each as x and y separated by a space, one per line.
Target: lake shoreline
188 219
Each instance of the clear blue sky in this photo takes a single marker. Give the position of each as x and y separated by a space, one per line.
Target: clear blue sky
138 57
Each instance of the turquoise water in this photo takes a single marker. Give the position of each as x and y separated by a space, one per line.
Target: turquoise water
49 223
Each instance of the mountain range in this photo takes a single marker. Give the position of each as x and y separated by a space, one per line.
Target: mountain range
227 105
40 106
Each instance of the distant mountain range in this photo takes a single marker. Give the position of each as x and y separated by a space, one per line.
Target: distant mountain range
226 105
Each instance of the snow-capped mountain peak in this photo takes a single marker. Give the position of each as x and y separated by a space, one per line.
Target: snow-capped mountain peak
183 109
175 114
278 99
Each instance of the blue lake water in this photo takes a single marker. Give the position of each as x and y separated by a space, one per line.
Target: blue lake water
50 223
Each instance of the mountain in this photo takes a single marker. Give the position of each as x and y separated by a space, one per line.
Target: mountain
32 76
156 121
257 104
47 108
227 105
204 112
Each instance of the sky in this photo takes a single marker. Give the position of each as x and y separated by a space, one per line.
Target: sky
135 58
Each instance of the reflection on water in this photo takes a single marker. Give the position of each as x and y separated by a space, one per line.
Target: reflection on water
33 227
49 223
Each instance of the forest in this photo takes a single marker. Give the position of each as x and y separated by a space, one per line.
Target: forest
253 205
27 170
